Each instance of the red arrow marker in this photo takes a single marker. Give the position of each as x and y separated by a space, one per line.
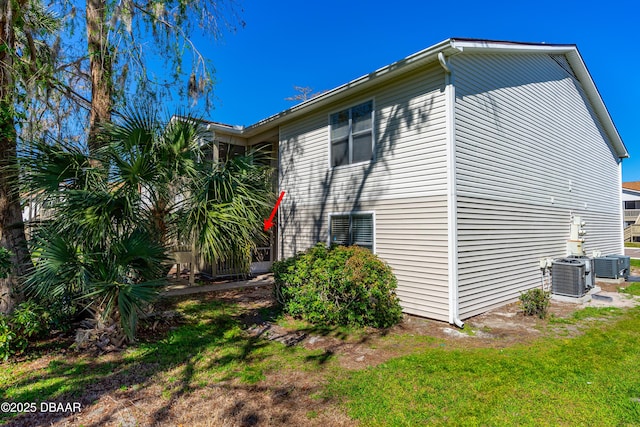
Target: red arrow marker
268 223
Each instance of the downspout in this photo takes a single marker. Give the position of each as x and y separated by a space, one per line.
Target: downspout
452 196
621 204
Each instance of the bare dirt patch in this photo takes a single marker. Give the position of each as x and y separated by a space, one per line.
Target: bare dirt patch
293 397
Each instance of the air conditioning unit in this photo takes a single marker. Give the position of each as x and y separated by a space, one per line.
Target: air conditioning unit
624 265
612 266
569 277
590 271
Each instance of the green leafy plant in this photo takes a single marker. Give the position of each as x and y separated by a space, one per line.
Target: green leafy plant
27 321
535 302
115 213
7 338
338 286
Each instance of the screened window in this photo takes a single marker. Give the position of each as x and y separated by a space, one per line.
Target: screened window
352 135
352 229
228 151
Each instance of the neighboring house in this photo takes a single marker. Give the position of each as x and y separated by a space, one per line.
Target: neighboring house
631 208
461 166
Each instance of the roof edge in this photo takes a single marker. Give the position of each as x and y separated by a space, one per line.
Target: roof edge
381 74
449 47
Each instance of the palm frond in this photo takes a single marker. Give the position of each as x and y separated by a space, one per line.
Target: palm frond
113 213
224 212
59 265
49 168
137 129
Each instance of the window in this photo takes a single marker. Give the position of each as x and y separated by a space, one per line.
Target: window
352 135
352 229
228 151
632 204
262 153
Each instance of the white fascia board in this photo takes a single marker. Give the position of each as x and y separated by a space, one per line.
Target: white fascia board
489 46
377 77
226 129
581 70
448 47
630 194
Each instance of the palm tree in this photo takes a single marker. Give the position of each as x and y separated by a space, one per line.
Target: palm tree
113 213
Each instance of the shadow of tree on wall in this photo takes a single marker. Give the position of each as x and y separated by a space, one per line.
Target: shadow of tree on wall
316 189
402 115
293 149
361 186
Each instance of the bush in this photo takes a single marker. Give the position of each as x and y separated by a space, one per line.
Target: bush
7 338
60 313
28 321
338 286
535 302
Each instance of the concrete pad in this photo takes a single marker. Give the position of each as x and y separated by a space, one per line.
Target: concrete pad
577 300
603 299
618 281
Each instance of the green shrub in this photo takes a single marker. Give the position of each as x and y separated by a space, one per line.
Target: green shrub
338 286
60 313
535 302
7 338
28 321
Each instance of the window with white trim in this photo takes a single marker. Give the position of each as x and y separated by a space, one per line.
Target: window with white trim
352 229
352 135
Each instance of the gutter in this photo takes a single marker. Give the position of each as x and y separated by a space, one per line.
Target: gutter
362 83
452 195
447 47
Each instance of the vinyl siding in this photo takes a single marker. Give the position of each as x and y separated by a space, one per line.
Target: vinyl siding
530 153
405 185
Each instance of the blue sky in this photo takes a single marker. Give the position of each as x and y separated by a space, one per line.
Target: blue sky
325 44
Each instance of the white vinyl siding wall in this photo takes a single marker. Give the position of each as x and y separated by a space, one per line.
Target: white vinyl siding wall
530 152
405 186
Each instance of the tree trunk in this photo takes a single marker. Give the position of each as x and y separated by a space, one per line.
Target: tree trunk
11 226
101 64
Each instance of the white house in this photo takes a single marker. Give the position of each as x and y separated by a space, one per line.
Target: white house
461 166
631 209
631 202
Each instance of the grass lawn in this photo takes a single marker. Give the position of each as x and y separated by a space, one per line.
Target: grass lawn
632 288
590 379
